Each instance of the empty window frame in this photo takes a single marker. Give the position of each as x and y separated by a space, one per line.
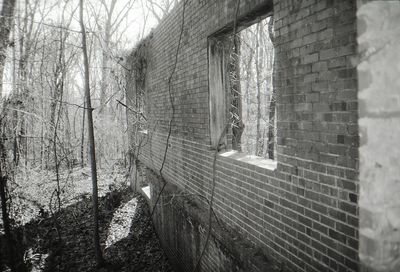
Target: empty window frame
242 98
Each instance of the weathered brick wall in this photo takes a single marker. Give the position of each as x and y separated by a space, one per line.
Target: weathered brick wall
184 239
304 214
379 96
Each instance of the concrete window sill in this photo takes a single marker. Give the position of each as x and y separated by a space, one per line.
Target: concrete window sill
250 159
146 192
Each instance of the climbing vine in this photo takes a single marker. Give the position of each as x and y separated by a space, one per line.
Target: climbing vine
139 62
136 100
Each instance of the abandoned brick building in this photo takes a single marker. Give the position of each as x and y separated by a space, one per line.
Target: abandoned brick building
324 196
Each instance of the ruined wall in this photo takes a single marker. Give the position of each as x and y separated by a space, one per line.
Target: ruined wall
303 214
182 226
379 96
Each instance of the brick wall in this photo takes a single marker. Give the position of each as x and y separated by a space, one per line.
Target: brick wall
303 214
184 239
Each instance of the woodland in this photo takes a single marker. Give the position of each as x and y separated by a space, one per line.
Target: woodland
65 158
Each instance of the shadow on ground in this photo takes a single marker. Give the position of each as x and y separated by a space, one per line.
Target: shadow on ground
139 251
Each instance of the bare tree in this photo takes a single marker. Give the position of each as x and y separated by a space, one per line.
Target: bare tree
6 20
96 238
258 101
108 30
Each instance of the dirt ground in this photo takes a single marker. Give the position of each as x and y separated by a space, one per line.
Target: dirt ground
63 241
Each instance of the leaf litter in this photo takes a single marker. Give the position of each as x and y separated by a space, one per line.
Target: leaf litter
128 237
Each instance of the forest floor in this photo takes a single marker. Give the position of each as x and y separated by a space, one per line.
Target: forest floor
63 240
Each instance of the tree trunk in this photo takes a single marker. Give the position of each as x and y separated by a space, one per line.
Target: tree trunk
236 102
42 142
96 238
105 56
104 70
83 137
272 104
2 63
6 223
6 19
271 127
258 83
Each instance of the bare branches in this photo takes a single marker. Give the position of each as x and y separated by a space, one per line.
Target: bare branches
132 110
159 10
121 16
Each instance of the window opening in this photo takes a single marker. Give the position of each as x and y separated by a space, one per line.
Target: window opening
253 100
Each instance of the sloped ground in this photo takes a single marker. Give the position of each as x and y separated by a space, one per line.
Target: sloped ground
136 249
34 188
